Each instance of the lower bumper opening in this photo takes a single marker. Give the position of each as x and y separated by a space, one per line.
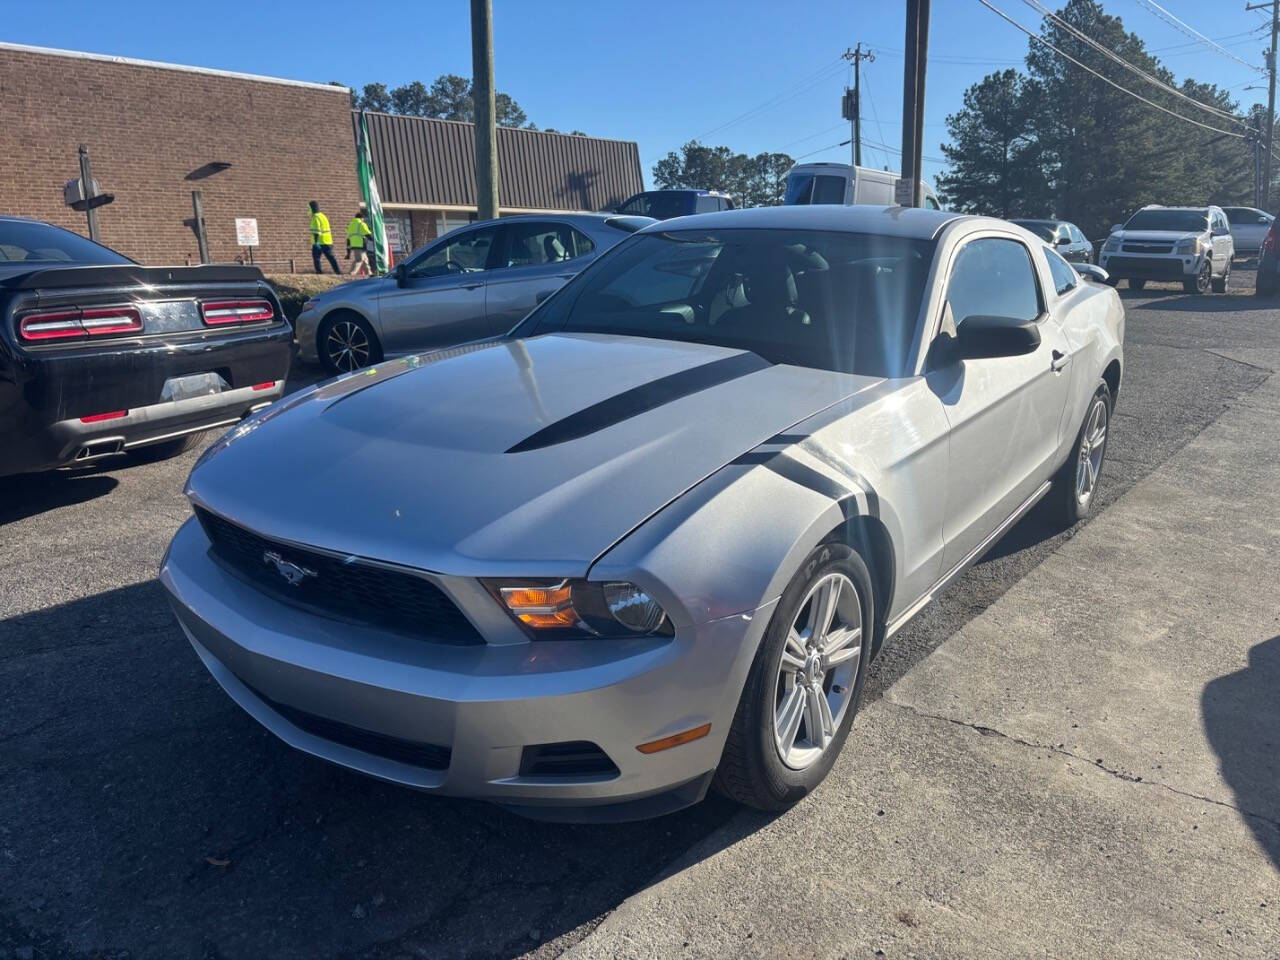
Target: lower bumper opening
429 756
573 759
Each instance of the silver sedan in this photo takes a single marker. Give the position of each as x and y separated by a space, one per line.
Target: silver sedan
474 282
650 541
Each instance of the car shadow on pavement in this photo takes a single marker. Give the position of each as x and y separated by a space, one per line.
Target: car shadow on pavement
1202 303
28 494
145 814
1242 721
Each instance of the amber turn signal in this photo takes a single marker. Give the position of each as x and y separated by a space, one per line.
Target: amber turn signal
675 740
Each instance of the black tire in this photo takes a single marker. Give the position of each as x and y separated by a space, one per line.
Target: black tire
1202 281
165 449
751 770
1069 506
1219 284
1136 284
1112 281
344 327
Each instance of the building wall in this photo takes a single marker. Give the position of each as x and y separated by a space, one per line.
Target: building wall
148 127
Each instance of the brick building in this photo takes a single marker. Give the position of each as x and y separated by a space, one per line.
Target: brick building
157 131
153 130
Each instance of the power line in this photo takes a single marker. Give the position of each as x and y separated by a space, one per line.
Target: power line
875 116
822 73
1111 54
1066 56
1185 28
1249 35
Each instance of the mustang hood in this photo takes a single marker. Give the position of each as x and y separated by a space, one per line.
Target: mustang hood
522 457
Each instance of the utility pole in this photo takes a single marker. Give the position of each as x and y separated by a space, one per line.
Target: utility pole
1271 97
853 99
913 72
483 97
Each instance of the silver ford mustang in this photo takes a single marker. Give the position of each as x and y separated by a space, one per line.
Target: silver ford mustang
650 540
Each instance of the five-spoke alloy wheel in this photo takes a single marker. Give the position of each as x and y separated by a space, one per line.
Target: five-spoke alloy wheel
798 704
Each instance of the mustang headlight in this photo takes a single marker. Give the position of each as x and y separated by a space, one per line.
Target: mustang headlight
1187 246
573 609
1112 244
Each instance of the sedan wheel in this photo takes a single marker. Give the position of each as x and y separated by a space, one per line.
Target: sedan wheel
347 343
817 670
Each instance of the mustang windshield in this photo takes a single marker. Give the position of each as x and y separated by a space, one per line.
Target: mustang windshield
835 301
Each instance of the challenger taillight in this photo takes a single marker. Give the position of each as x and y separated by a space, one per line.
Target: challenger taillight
79 324
218 312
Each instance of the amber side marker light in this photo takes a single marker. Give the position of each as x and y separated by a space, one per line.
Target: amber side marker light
675 740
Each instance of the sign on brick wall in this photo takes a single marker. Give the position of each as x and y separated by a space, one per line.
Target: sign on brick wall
247 231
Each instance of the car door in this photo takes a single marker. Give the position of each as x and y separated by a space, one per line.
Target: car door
439 296
536 258
1223 246
1005 413
1248 228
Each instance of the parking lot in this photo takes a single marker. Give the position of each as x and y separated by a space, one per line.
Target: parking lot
144 815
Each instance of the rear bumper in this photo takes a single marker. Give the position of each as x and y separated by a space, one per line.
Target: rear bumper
42 409
369 699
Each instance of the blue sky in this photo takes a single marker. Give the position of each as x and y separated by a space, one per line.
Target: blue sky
751 74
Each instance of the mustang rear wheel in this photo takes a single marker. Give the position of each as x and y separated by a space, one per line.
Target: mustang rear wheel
1076 484
346 342
805 684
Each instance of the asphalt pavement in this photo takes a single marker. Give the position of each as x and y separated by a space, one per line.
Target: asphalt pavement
143 815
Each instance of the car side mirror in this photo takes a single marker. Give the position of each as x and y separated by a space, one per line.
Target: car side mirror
1062 241
401 273
1091 271
980 338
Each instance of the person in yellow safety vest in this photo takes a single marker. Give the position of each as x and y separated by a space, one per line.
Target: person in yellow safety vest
357 230
321 239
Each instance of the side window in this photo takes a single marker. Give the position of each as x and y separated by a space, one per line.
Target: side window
466 253
1076 235
1064 276
534 243
578 241
993 277
706 204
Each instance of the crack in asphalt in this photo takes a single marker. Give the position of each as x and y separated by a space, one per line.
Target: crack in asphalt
1097 764
1246 363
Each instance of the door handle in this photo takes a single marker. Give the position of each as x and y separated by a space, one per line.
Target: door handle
471 286
1059 361
565 276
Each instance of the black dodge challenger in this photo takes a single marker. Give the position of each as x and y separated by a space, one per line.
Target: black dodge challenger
100 355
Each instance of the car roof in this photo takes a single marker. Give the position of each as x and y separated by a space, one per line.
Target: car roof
888 221
1044 220
1161 206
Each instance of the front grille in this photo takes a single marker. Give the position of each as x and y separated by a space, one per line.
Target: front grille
1151 269
357 591
428 755
571 759
1148 248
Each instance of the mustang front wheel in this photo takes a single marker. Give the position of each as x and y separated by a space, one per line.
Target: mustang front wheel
805 684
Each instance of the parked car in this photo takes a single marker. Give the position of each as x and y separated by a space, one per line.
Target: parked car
100 355
1188 244
1249 226
1064 236
668 204
650 540
843 183
1267 280
474 282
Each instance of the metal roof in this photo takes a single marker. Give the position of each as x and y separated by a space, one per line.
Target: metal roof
425 162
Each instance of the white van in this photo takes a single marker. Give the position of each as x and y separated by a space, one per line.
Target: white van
844 183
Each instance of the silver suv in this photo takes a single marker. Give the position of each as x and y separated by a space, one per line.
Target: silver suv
1188 244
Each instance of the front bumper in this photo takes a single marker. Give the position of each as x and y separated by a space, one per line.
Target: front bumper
1168 267
300 673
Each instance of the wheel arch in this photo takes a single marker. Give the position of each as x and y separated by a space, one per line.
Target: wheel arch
1112 377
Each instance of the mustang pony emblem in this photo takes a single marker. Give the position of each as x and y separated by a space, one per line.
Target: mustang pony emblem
287 569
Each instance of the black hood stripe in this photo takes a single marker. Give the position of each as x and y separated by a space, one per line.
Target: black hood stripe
642 399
